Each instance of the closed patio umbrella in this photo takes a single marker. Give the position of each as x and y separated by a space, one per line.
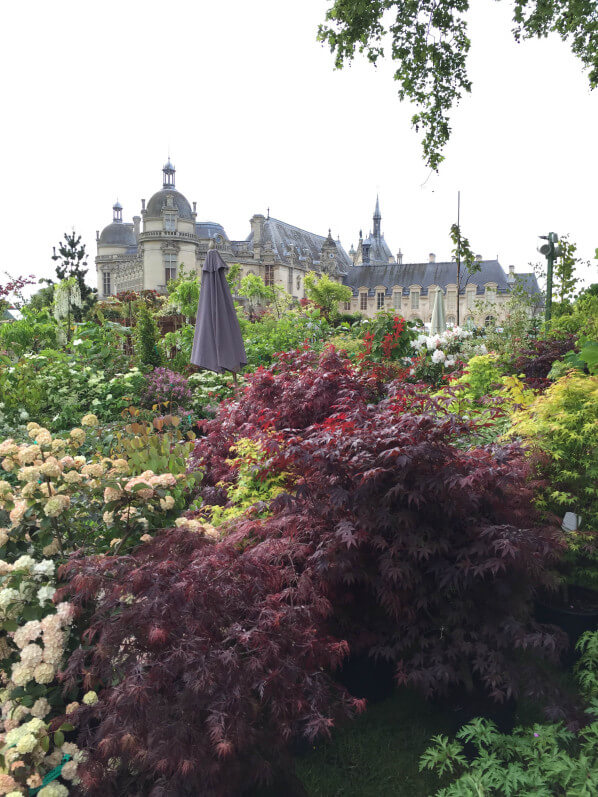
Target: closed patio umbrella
217 342
438 323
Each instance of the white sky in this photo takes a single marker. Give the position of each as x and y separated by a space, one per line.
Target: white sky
246 100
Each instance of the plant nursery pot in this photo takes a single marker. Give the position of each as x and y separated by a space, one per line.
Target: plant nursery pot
576 615
364 676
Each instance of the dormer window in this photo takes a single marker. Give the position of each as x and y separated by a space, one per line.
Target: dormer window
170 222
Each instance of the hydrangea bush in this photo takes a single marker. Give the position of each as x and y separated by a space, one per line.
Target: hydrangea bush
54 500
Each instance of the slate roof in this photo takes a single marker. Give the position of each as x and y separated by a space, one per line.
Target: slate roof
424 275
118 234
380 252
283 236
154 206
210 229
529 282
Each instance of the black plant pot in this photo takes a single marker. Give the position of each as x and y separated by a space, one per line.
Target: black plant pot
364 676
576 614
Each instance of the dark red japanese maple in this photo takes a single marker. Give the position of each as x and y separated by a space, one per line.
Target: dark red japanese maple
394 538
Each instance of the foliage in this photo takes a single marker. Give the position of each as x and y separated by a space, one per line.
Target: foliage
147 338
183 292
387 337
326 293
208 389
430 43
14 287
53 500
272 334
167 388
255 487
427 552
582 321
36 330
561 428
563 275
71 262
535 359
259 294
57 387
233 667
544 759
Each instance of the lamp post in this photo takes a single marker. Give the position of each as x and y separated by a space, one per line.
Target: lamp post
551 251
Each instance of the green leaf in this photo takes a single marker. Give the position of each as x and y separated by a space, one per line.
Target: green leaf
59 738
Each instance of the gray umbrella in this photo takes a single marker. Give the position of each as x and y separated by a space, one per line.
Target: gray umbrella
438 324
217 343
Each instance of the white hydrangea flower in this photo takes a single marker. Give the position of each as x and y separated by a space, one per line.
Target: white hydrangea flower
45 594
438 356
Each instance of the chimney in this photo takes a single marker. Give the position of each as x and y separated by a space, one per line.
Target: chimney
137 225
432 257
97 235
142 207
400 258
257 227
195 207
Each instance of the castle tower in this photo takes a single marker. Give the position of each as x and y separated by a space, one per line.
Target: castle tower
377 220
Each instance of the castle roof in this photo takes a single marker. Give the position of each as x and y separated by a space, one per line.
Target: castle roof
380 252
424 274
210 229
118 234
158 202
283 237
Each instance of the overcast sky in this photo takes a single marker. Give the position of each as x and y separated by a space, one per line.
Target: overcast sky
247 102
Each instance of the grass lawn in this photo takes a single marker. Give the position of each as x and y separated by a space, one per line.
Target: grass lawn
378 753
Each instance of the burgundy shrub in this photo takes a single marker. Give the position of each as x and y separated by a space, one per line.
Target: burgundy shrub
205 663
299 389
430 554
536 360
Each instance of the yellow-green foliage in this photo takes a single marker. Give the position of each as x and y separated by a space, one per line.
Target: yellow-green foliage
563 423
255 484
483 377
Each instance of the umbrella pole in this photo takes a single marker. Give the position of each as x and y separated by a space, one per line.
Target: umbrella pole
235 377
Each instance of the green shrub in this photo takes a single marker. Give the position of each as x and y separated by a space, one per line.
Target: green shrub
546 759
147 339
561 428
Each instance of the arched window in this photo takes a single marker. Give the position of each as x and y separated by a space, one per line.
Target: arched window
489 321
451 321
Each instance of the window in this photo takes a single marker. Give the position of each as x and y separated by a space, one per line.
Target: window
489 321
298 282
169 268
414 300
170 222
491 295
451 321
106 283
396 300
347 306
363 301
269 276
380 300
451 300
470 298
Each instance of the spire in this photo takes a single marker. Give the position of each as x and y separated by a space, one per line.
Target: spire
117 212
377 219
168 171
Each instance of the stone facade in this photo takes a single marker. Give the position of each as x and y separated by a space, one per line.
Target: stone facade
148 252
